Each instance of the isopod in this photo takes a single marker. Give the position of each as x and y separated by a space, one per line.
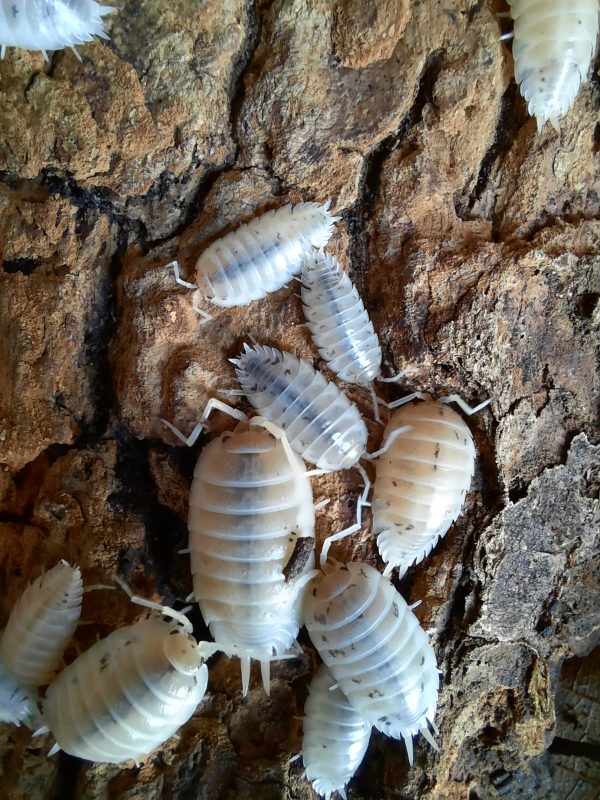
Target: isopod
260 256
50 24
375 648
422 481
41 625
321 424
335 737
128 693
553 47
251 522
17 705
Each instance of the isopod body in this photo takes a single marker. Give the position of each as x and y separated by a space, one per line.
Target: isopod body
338 321
41 625
322 425
554 41
335 737
128 693
50 24
421 481
251 523
262 255
375 648
17 705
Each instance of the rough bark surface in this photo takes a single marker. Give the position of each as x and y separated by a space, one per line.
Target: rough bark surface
473 240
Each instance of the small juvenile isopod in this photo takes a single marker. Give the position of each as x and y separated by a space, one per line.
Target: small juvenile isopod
335 737
17 705
422 481
553 47
50 24
260 256
375 648
321 424
41 625
251 523
128 693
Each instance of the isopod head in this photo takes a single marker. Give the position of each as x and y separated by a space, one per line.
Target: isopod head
181 650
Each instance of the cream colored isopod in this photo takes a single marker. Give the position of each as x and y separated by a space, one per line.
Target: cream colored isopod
41 625
128 693
422 480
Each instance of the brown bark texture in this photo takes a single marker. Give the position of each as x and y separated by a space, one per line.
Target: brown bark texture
473 240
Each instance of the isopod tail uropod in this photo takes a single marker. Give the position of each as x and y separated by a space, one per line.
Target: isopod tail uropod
422 480
251 523
553 47
41 625
50 25
17 704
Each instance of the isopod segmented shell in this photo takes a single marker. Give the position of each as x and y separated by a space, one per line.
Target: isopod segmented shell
17 705
421 481
338 321
321 424
375 648
50 24
554 42
127 694
335 737
41 625
262 255
251 523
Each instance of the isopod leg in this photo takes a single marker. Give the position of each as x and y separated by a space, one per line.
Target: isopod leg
408 399
390 440
55 749
245 667
322 504
361 503
206 317
178 278
265 673
177 616
426 733
3 51
375 401
187 440
455 398
212 404
280 435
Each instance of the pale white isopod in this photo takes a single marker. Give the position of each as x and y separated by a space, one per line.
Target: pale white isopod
422 480
338 321
335 737
554 41
128 693
17 705
260 256
321 424
50 24
375 648
41 625
251 523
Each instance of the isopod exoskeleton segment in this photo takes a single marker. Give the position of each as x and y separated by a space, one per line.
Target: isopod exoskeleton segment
421 482
50 24
335 737
41 625
128 693
554 42
375 648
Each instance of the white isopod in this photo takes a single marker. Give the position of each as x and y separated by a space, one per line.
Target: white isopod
128 693
251 523
17 705
260 256
335 737
50 24
375 648
422 481
321 424
554 41
41 625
